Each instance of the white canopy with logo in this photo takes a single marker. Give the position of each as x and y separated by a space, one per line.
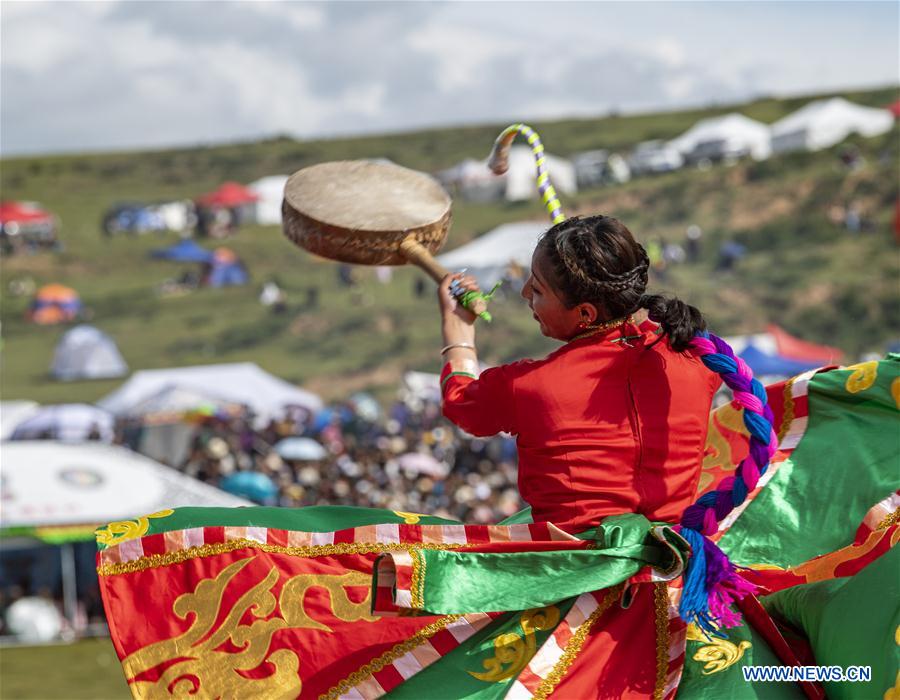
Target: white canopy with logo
48 483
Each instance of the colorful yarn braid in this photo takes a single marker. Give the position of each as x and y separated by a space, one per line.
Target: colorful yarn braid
712 583
498 162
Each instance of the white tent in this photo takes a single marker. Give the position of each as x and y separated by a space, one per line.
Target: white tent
728 135
69 422
86 352
242 383
14 412
521 177
270 191
476 182
51 484
824 123
488 257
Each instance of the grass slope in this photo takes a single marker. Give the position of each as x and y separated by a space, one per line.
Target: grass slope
801 272
87 669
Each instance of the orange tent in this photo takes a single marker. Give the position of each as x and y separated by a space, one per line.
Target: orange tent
55 303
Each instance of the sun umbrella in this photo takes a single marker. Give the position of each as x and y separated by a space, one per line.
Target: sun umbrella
421 463
253 485
301 449
71 422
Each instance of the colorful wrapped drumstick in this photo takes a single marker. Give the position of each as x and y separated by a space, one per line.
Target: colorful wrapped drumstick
499 164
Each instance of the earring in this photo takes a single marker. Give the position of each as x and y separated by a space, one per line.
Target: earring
580 326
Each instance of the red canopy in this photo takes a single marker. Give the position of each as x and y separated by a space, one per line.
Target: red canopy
22 213
796 349
894 108
230 194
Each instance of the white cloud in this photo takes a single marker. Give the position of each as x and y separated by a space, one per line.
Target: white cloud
101 75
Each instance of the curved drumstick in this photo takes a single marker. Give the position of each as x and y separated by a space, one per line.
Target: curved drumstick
498 162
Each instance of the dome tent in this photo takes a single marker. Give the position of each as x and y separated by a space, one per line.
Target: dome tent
186 250
54 303
225 269
86 352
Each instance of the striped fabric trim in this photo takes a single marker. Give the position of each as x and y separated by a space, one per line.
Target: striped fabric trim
546 668
798 398
171 547
385 677
677 641
880 516
455 374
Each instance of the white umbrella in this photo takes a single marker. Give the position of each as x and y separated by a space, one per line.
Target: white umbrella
421 463
69 422
300 449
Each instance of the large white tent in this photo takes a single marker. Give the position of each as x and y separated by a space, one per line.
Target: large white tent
488 257
270 191
824 123
86 352
241 383
725 135
47 483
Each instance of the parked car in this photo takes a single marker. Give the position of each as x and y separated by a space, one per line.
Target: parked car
655 157
600 167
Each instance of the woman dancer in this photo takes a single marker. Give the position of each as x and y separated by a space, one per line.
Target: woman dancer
615 420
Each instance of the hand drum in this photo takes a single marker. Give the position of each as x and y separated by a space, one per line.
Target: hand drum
367 213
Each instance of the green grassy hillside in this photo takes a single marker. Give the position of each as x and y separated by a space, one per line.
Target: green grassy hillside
802 271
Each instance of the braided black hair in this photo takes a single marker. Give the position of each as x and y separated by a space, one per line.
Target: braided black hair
595 259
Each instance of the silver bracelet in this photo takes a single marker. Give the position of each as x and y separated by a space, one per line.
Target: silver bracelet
457 345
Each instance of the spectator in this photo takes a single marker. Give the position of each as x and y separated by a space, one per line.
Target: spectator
693 238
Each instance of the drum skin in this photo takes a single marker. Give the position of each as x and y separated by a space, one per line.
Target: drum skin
360 211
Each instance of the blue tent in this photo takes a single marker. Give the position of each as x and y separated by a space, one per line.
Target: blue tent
184 251
763 364
224 274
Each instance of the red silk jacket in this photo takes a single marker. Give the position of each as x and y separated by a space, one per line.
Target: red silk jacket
608 424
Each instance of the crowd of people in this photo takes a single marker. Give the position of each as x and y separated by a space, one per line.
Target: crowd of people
366 463
408 459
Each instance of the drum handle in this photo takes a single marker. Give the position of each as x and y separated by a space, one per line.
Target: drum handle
418 254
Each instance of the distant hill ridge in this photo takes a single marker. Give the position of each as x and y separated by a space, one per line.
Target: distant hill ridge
802 270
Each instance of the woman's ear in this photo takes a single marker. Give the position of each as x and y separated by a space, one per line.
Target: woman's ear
588 313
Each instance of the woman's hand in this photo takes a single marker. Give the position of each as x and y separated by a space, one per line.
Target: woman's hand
451 309
458 324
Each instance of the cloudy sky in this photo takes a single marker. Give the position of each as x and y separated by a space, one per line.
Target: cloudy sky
90 76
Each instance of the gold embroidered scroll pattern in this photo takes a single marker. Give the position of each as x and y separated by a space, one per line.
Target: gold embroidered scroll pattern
722 421
195 662
716 654
125 530
408 518
862 377
513 651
